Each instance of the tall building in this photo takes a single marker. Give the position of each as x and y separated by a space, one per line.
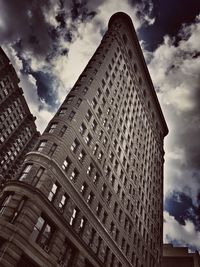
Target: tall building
179 256
91 193
17 128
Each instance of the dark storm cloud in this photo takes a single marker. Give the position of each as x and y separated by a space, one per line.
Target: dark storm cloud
182 208
45 84
36 29
170 16
25 20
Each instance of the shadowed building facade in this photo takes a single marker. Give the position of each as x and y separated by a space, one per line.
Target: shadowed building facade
18 132
179 256
91 193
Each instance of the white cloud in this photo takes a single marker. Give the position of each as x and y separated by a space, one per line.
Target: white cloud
174 69
85 39
185 235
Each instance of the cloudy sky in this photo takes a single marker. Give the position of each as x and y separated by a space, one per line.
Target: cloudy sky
50 42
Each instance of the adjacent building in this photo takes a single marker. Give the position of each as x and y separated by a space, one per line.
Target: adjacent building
91 193
17 128
179 256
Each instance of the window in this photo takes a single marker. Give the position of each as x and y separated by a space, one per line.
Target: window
81 156
109 197
100 134
96 178
92 237
94 103
69 99
105 216
103 190
99 113
104 122
90 80
94 125
67 254
63 130
62 112
115 208
53 192
123 243
79 101
107 171
98 93
52 150
82 129
83 188
111 156
38 175
25 172
74 216
103 83
99 209
85 90
120 215
95 149
103 101
107 92
113 180
66 164
18 209
99 244
100 156
75 145
63 202
52 127
74 175
90 197
42 233
105 141
88 139
71 115
108 111
90 169
117 235
82 225
88 115
41 145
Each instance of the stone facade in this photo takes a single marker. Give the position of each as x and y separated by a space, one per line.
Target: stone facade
91 192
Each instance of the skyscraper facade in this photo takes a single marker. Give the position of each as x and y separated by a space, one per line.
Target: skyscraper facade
17 127
91 193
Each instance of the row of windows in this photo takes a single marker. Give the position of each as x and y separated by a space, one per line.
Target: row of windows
15 148
89 197
6 86
43 231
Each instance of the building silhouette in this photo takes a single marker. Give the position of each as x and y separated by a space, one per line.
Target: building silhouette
91 193
179 256
17 128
